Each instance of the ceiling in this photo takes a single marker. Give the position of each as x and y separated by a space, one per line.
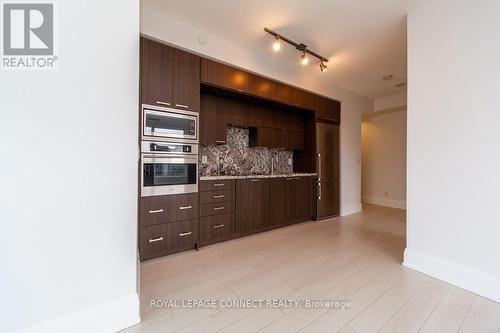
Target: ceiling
364 39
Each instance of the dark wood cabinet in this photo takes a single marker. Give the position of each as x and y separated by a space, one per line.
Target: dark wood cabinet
252 205
156 73
213 127
186 81
216 185
291 200
169 77
216 228
328 110
276 138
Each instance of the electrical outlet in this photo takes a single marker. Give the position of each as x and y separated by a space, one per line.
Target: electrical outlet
204 159
289 161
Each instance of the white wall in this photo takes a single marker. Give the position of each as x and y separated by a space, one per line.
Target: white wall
453 143
397 101
69 177
383 151
169 30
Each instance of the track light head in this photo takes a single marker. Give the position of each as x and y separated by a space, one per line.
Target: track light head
276 44
304 60
322 66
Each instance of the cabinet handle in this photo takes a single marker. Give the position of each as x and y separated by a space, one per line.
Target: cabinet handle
218 196
181 106
152 240
319 167
185 234
185 207
289 178
219 184
163 103
220 141
319 191
218 208
218 226
156 211
296 178
254 180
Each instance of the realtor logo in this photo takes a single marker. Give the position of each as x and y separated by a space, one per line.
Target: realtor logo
28 35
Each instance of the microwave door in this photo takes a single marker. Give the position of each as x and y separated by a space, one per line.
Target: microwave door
169 125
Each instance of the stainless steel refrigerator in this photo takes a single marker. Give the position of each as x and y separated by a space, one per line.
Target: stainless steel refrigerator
328 167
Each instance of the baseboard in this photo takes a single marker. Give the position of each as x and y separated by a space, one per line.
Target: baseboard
467 278
385 202
351 209
108 317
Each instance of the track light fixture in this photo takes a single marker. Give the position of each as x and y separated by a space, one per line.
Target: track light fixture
322 66
304 60
276 44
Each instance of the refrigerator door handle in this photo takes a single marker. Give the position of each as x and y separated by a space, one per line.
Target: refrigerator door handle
319 167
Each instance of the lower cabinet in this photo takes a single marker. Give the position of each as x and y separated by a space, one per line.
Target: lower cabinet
216 228
291 200
159 240
252 205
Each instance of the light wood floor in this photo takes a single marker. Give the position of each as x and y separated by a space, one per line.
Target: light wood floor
356 258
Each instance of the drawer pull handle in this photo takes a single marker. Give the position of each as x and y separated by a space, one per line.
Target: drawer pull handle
152 240
220 141
185 207
185 234
219 208
254 180
296 178
181 106
219 184
156 211
219 196
289 178
163 103
218 226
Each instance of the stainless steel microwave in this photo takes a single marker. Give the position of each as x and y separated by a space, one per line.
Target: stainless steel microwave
167 124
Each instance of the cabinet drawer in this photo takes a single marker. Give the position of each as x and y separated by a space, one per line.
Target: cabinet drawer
217 208
156 210
211 185
182 235
186 206
216 196
216 228
153 241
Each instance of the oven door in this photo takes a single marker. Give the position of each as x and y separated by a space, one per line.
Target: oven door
169 124
163 175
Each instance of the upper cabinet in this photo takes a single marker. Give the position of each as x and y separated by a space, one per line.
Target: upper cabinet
213 126
220 75
169 77
156 73
328 110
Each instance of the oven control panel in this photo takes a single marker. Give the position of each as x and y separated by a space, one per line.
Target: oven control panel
165 147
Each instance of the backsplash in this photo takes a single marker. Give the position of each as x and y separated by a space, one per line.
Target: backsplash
236 158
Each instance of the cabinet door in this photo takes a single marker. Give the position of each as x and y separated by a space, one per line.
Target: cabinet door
212 121
156 73
186 81
301 199
281 192
252 205
224 76
328 110
304 99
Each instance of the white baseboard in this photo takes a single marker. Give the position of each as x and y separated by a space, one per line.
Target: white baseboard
351 209
467 278
108 317
385 202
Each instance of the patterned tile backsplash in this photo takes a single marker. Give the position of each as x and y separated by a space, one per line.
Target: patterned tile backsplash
236 158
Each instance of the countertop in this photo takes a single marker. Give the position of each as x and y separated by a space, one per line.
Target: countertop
258 176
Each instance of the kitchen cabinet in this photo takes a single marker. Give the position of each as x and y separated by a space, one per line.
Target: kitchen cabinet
216 228
169 77
328 110
213 127
291 200
276 138
156 73
252 205
186 80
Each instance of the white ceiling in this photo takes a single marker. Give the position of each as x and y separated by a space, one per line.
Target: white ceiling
364 39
